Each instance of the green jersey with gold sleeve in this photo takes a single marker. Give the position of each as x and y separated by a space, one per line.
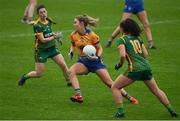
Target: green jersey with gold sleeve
46 30
134 54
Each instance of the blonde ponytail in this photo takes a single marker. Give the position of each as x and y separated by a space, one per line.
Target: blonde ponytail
88 20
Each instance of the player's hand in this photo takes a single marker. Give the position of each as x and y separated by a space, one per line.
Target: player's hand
70 55
59 36
109 42
92 57
117 66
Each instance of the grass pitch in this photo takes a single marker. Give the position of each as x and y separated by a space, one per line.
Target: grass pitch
48 97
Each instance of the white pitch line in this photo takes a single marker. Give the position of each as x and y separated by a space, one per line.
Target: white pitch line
15 35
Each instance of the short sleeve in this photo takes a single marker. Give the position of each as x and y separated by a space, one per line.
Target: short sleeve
120 41
72 39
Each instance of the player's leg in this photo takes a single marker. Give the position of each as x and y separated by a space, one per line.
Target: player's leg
24 19
106 78
151 84
59 60
131 99
120 82
144 20
117 30
126 16
39 69
32 5
77 69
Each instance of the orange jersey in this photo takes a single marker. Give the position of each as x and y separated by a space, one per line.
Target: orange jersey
79 41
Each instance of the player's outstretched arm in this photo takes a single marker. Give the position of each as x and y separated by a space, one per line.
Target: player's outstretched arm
112 37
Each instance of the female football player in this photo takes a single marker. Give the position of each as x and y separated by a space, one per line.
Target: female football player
133 49
45 47
81 37
135 7
28 12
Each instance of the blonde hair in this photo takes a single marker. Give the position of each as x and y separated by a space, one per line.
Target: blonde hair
88 20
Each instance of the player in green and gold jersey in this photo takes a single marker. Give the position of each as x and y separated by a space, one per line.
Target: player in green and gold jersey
45 47
133 49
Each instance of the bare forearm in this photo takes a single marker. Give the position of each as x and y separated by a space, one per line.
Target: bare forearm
49 39
115 33
100 51
45 40
72 48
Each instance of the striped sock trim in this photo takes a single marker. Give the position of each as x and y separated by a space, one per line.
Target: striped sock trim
77 91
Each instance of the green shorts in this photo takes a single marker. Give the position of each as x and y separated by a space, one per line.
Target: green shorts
140 75
41 55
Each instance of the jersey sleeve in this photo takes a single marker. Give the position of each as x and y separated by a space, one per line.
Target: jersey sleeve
120 41
95 38
72 39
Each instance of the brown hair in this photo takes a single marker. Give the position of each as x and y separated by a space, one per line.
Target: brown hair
42 6
39 7
129 26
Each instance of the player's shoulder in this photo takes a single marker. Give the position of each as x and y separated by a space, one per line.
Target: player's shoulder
74 33
123 38
37 23
91 33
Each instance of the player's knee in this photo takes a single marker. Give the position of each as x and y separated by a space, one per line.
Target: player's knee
39 74
160 92
71 73
146 25
113 86
157 91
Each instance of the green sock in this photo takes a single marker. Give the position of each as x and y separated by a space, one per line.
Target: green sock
25 76
120 108
169 108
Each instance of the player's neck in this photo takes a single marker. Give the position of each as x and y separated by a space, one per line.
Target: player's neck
42 20
127 34
82 31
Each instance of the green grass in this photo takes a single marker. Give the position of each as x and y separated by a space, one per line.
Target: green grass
48 97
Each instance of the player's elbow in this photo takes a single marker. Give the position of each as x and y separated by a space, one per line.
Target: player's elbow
145 55
43 40
39 74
